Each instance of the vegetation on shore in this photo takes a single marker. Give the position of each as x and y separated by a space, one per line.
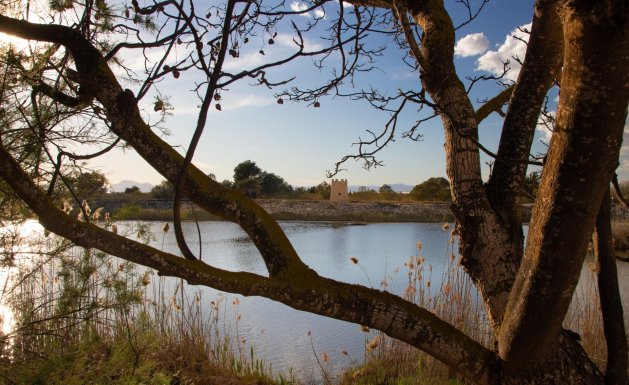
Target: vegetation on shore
85 317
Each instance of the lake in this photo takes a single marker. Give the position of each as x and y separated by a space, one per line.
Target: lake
279 334
290 339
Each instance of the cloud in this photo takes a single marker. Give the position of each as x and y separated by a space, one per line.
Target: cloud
288 40
246 61
513 48
245 101
623 168
297 6
544 123
471 45
284 47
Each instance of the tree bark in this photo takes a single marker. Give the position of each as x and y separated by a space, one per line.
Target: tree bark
581 160
532 348
541 65
609 294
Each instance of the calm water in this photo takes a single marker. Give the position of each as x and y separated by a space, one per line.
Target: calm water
279 334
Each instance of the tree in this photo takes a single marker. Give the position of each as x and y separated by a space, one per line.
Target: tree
132 190
247 178
577 44
164 190
386 192
89 184
246 170
433 189
323 189
272 185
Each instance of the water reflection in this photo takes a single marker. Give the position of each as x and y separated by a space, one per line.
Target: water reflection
286 337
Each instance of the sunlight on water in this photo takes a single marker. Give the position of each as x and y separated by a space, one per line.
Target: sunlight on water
6 320
26 240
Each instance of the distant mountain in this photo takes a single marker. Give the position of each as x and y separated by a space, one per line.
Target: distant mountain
398 187
122 185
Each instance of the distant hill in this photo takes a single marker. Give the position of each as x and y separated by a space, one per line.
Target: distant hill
398 187
122 185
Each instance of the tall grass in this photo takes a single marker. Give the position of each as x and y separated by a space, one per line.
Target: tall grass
456 300
84 317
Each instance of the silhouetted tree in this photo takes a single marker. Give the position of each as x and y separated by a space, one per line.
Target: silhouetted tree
433 189
579 45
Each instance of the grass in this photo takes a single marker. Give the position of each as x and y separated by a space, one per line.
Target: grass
84 317
620 233
456 300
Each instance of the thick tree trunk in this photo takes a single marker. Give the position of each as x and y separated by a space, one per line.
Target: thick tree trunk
485 247
611 303
541 65
581 160
526 304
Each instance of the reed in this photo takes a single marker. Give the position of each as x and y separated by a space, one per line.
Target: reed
85 317
457 301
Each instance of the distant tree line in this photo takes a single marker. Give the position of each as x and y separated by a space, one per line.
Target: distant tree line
254 182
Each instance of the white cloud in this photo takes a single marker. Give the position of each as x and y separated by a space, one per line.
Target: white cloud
297 6
245 61
512 48
544 124
234 102
471 45
288 40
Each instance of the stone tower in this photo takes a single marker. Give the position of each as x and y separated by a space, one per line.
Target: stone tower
338 190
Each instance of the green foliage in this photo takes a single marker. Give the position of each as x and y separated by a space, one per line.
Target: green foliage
323 189
434 189
128 211
364 194
386 192
531 184
164 190
132 190
246 170
89 184
272 185
60 5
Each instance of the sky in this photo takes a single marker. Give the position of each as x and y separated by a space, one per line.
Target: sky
299 142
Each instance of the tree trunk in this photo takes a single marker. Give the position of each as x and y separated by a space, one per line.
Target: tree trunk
581 160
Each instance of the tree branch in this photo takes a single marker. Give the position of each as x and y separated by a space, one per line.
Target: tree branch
541 64
494 104
580 151
303 291
609 295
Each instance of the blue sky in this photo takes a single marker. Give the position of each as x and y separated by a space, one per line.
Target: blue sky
299 142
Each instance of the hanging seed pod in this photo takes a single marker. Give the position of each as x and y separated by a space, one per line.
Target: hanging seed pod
159 105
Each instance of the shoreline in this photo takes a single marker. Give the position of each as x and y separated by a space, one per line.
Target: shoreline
292 209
